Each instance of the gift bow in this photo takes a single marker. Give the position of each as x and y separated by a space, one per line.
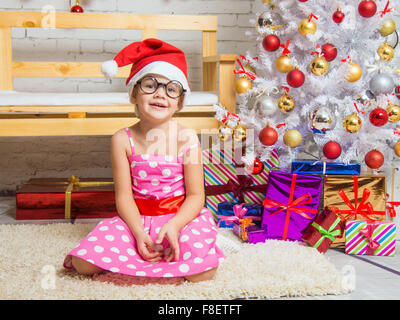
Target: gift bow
364 208
386 10
330 233
244 224
291 206
367 233
239 212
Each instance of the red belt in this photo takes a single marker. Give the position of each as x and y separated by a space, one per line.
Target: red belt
150 207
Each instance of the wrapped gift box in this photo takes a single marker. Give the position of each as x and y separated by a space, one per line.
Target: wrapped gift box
320 167
57 198
355 197
291 204
376 238
228 212
248 231
226 180
323 230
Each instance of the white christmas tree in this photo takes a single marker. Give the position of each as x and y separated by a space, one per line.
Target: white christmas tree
323 81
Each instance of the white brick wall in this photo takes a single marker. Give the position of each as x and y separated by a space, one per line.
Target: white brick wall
27 157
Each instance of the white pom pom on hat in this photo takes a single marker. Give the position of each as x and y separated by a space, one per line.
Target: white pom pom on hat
149 56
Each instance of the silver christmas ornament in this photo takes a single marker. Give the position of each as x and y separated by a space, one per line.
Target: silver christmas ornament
286 4
266 105
321 120
381 83
365 97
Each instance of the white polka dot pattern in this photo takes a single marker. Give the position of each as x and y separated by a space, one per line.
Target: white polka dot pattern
111 246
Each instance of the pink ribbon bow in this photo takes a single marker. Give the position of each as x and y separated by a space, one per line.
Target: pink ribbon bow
367 233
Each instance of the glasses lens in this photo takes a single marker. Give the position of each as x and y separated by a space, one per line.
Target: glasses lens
174 89
148 85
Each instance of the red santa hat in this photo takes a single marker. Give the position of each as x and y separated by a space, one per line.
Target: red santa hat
149 56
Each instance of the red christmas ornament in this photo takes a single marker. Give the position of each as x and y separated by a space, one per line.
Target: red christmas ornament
397 92
303 0
374 159
338 16
258 166
295 78
271 43
329 51
378 117
77 8
268 136
332 150
367 8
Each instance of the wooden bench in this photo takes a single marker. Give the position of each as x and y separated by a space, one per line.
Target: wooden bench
28 119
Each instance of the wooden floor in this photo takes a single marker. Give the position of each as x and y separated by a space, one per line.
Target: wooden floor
373 278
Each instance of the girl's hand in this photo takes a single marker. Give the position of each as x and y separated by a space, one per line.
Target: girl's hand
146 248
170 231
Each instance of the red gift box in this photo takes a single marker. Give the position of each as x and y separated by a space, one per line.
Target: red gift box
324 230
73 198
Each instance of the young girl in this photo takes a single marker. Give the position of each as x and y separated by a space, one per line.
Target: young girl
162 229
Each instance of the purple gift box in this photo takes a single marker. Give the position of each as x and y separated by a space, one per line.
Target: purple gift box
254 233
291 204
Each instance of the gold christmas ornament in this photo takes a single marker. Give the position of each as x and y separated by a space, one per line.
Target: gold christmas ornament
284 64
224 132
319 66
292 138
386 52
306 27
393 111
286 103
352 123
397 148
354 72
239 132
388 27
242 85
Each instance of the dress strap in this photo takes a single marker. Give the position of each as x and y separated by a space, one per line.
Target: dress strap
190 148
130 140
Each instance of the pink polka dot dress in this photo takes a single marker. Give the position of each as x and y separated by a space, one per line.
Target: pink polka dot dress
112 247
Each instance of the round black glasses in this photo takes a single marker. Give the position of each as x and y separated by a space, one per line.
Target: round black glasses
173 88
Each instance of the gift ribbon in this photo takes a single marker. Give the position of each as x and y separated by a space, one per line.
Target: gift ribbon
386 10
243 226
237 188
239 212
367 233
291 206
73 184
364 208
390 206
243 71
330 233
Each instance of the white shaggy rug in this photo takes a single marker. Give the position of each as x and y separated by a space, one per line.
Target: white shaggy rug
31 258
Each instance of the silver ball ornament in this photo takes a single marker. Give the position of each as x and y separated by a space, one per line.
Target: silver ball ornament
266 105
322 120
381 83
365 97
286 4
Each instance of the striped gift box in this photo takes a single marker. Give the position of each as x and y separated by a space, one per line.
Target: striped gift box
221 166
376 238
